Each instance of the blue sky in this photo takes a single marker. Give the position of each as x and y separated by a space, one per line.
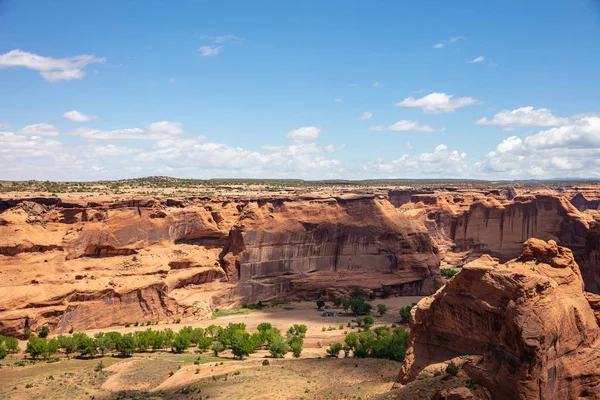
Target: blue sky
299 89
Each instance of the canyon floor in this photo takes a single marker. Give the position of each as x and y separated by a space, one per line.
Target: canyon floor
148 375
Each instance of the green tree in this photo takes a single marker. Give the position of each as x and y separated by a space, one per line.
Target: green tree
334 349
180 343
320 303
381 309
241 344
204 343
217 348
264 326
68 344
278 348
3 352
351 340
368 321
405 313
126 345
45 331
86 345
12 344
386 292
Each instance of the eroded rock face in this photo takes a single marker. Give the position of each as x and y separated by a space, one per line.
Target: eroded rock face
527 319
89 263
478 224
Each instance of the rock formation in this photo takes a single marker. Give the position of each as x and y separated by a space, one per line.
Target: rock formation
527 328
94 263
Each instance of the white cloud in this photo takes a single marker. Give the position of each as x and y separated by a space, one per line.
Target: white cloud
51 69
330 148
443 43
224 38
305 133
404 126
77 116
437 103
439 163
377 84
477 60
155 131
366 115
571 150
493 65
210 51
524 116
4 126
172 80
419 91
39 130
337 100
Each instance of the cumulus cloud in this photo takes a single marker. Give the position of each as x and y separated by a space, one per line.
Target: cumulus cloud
51 69
571 150
304 133
155 131
438 103
366 115
404 126
524 116
440 162
477 60
210 51
77 116
42 129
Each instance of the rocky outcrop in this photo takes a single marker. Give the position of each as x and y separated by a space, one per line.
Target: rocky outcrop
525 325
89 263
477 224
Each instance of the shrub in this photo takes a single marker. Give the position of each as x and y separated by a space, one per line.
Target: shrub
296 349
449 272
452 368
127 324
334 349
386 292
381 309
372 295
264 326
320 303
3 352
99 367
405 313
266 363
45 331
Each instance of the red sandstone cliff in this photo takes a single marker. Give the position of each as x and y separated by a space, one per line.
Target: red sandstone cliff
90 263
526 325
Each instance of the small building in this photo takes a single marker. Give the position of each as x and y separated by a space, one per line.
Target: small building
330 314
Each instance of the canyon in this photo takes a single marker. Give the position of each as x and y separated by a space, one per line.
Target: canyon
76 261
